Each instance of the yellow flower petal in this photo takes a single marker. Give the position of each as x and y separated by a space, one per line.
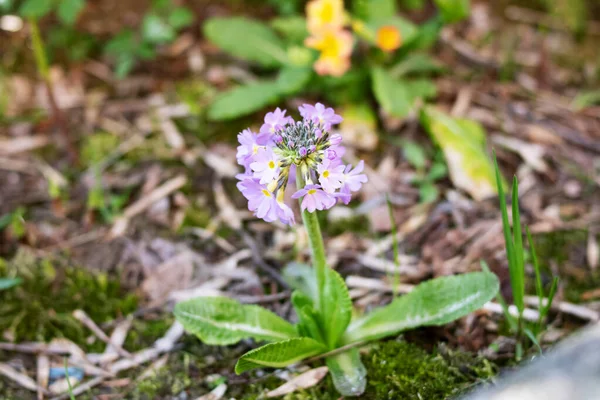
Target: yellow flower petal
324 14
388 38
336 48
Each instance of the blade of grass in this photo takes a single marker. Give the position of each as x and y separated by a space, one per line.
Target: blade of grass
396 248
533 339
539 290
68 380
551 294
518 275
505 224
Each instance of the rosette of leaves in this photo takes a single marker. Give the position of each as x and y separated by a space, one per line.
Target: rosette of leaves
322 329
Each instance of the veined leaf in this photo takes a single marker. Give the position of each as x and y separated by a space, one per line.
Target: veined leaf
243 100
435 302
336 310
463 144
307 316
279 354
7 283
247 39
223 321
348 372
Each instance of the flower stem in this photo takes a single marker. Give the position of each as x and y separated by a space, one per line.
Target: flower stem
41 62
315 240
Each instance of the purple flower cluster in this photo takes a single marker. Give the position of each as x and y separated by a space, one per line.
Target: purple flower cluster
283 146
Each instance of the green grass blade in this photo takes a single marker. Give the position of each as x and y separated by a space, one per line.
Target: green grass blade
518 273
395 277
553 288
533 339
512 322
505 224
539 290
71 395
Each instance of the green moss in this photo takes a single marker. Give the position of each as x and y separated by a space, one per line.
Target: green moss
400 370
145 332
40 309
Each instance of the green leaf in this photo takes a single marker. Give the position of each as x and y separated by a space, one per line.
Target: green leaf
586 99
463 144
428 192
223 321
453 10
180 18
302 277
426 36
418 63
435 302
307 316
7 283
336 310
291 28
35 8
437 171
243 100
292 79
374 10
247 39
391 95
348 373
123 43
279 354
124 66
155 30
414 154
420 88
68 10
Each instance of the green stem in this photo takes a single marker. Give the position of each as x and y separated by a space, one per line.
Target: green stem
39 52
41 62
315 240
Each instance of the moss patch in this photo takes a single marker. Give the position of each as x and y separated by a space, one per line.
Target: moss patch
401 370
40 309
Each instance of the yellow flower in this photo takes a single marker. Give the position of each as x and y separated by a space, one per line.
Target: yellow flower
335 47
324 14
388 38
